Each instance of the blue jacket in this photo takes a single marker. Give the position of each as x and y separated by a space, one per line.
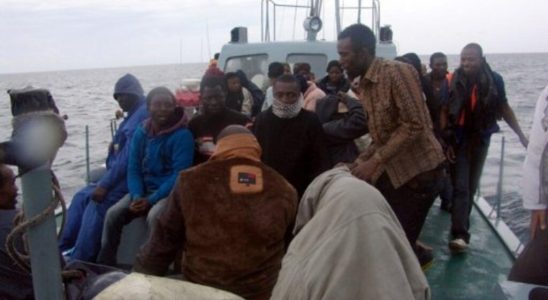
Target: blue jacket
155 160
117 158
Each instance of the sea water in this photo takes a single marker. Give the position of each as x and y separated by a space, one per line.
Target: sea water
85 96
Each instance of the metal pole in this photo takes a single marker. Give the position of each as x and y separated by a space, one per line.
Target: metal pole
501 175
338 16
360 11
44 254
87 153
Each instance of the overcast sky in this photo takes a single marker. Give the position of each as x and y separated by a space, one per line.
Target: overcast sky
38 35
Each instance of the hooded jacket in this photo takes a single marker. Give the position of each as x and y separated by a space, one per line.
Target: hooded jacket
117 159
329 89
156 158
348 245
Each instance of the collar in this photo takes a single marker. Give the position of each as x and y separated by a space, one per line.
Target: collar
374 70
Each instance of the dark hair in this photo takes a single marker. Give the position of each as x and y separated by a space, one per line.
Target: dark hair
303 83
2 177
361 37
414 60
298 67
475 46
333 63
288 78
231 75
436 55
216 56
212 82
161 90
275 70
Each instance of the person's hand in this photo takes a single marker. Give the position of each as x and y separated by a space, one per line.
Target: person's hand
450 154
524 141
342 97
538 221
99 194
364 170
139 206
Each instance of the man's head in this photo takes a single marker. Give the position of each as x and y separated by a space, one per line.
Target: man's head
286 89
438 64
161 104
356 46
415 61
8 189
303 69
128 92
275 70
213 94
233 82
471 59
334 71
231 130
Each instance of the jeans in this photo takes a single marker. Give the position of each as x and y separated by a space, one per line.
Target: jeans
117 217
412 201
470 157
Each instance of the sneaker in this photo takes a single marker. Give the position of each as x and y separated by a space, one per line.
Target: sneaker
425 257
458 245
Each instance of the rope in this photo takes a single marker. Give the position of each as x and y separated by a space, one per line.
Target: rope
21 226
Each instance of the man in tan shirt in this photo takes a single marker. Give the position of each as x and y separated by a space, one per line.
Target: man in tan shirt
403 160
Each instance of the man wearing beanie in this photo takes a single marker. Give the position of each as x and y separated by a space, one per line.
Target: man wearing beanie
81 238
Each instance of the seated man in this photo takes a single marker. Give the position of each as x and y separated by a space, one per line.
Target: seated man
348 245
85 217
160 149
213 117
14 282
230 216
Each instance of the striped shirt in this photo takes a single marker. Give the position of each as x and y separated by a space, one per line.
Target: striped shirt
399 122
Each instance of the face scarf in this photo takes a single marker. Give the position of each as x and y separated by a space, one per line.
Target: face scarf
237 145
287 111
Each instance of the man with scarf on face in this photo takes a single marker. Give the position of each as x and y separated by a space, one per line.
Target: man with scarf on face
214 116
477 100
403 161
292 138
231 216
161 148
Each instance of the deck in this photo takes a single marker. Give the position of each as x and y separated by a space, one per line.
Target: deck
471 275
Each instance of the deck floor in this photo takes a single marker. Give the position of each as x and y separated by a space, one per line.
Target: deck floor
471 275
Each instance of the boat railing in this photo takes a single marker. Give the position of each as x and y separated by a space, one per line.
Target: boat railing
493 213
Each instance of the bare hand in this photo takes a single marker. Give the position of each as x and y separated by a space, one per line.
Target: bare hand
139 206
365 170
538 220
450 154
99 194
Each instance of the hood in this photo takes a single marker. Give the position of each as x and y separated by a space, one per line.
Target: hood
181 122
128 84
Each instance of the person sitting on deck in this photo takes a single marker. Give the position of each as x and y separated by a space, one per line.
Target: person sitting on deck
230 216
348 245
238 98
87 210
311 92
477 99
14 282
213 118
161 148
292 138
335 81
275 70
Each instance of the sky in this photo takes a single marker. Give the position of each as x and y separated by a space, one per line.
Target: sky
39 35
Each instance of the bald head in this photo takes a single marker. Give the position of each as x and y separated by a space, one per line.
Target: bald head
231 130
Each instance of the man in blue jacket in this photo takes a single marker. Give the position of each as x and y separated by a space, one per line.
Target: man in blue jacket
84 225
160 149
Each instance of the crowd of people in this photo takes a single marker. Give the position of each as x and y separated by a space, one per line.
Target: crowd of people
269 194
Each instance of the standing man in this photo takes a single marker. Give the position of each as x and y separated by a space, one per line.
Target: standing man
85 218
214 116
404 158
230 215
292 138
477 99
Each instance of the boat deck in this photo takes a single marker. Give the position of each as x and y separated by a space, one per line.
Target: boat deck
471 275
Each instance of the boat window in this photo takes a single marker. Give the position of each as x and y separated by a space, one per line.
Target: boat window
318 62
254 66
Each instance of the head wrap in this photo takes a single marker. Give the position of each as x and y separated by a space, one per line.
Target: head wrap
287 111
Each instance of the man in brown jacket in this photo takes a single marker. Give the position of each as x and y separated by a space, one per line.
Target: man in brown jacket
230 216
403 160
